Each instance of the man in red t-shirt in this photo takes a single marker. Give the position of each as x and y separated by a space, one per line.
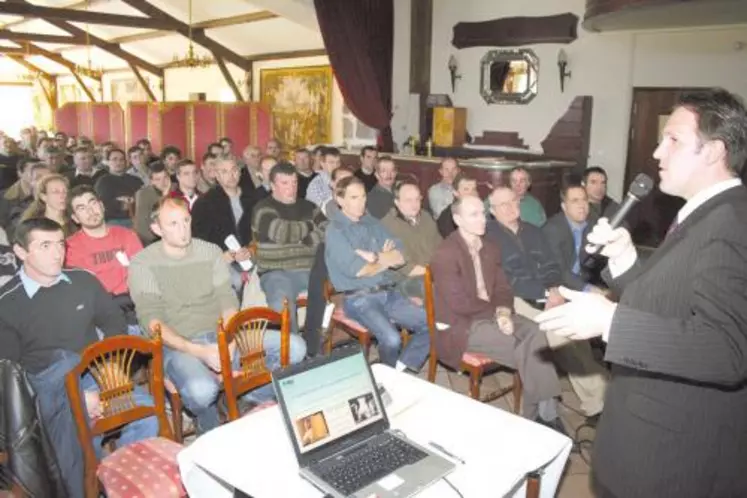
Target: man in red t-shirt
103 250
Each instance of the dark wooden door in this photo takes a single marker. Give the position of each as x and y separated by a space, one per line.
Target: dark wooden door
651 108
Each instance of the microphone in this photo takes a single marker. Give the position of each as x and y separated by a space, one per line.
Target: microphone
639 189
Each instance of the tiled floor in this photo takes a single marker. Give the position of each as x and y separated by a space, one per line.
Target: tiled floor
575 483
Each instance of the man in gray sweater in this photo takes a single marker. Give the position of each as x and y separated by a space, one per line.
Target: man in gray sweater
184 285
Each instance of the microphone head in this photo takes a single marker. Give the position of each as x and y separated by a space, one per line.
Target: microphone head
641 186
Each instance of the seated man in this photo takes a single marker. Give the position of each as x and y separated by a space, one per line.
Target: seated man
158 187
47 318
85 172
520 182
226 210
302 162
473 297
367 170
566 233
441 194
187 179
331 205
380 198
319 190
287 230
414 226
464 186
183 284
530 266
595 183
117 190
360 255
104 250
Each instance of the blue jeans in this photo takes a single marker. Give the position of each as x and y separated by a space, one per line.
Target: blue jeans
199 386
49 385
379 312
279 285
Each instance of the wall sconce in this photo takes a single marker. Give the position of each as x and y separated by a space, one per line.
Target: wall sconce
453 67
562 68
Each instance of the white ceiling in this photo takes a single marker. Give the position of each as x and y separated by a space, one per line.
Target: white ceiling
295 29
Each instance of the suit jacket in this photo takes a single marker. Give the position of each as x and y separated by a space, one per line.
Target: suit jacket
675 417
560 237
213 219
455 293
145 199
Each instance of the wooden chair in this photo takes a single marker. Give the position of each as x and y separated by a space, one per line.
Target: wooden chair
246 330
341 321
145 467
476 365
533 485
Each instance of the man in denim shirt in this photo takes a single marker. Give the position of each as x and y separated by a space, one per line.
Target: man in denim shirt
534 275
360 255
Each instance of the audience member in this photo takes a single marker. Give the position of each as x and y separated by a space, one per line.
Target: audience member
84 172
159 186
415 228
50 201
367 170
117 190
319 190
380 198
104 250
531 209
183 284
187 179
47 318
302 162
473 297
171 155
138 165
463 187
287 231
250 177
534 275
566 233
361 255
441 195
595 183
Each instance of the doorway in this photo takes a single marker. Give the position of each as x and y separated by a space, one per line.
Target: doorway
649 112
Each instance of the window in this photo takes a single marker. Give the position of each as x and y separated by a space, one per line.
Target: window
354 132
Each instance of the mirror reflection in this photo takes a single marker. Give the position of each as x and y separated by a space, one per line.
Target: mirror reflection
509 76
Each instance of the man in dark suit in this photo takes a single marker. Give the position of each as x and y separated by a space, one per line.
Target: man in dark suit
565 233
595 183
675 422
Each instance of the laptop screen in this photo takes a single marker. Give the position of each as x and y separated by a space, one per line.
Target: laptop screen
329 401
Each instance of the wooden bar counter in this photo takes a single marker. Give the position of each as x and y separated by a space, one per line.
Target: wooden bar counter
547 174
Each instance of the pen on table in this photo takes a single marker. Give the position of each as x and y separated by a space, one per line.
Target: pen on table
446 452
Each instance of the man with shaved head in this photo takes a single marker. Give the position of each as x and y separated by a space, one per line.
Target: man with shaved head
474 298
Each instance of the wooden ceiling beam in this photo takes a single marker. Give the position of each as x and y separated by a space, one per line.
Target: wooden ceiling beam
198 34
6 34
20 60
229 79
75 5
29 10
112 48
144 83
271 56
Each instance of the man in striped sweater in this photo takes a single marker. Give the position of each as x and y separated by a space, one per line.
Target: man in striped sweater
183 284
287 230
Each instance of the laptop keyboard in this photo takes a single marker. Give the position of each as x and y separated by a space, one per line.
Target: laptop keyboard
367 463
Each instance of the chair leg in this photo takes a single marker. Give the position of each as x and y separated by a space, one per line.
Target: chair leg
365 341
432 367
475 377
176 417
517 392
533 485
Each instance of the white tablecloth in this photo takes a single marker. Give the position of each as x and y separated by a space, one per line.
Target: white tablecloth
255 455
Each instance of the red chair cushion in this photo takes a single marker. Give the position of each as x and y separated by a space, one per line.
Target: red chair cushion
340 317
477 359
143 469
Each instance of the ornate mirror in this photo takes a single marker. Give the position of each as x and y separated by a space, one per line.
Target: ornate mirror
509 76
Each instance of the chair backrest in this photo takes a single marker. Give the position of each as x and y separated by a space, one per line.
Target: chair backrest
430 311
246 329
110 362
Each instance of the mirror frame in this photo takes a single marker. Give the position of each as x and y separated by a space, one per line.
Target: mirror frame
492 56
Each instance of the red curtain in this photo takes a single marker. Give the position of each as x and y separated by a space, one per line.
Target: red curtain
359 39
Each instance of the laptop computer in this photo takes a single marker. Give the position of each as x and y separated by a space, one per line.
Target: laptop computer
340 431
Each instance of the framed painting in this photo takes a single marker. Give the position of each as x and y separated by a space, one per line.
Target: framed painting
300 101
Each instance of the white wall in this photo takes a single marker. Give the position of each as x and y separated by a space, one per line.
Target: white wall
605 66
405 106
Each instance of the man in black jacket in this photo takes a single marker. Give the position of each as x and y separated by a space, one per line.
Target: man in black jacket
224 211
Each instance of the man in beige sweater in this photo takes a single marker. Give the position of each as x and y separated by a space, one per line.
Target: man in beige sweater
415 227
184 285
